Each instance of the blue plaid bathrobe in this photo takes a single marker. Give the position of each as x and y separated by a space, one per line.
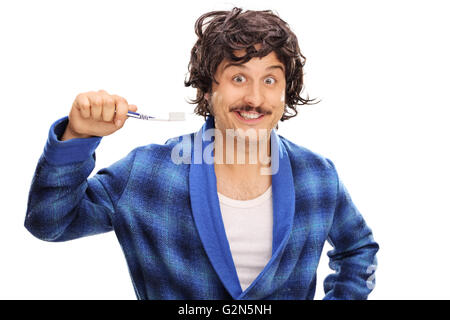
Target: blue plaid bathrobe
167 219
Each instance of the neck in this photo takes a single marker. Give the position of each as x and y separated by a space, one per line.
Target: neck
242 158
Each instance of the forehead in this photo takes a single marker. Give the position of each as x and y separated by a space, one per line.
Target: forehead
256 63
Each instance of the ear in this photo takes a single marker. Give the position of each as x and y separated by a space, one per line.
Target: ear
208 98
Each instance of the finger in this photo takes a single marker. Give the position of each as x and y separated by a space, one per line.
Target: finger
121 111
132 107
117 98
102 91
96 101
109 106
83 104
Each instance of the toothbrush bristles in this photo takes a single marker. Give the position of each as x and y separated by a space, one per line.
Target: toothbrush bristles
177 116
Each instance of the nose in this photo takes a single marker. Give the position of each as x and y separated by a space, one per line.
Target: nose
254 95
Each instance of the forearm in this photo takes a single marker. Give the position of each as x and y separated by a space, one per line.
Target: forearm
60 194
354 271
60 198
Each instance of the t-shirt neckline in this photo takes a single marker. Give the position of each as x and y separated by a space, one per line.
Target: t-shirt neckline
246 203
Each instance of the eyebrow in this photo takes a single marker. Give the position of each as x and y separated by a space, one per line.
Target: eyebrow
239 65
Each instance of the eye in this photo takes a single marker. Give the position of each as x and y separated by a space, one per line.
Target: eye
239 79
269 80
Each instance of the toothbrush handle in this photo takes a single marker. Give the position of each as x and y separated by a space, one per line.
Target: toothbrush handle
138 115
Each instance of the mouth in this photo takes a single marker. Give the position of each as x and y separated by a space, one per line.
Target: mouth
249 117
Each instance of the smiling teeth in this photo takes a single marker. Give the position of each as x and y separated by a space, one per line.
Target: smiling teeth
246 115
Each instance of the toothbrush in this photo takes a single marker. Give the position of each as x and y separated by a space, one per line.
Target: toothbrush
173 116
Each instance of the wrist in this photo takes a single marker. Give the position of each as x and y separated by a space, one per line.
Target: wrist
58 152
70 134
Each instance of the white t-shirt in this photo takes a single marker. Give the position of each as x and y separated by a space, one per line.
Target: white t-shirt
248 226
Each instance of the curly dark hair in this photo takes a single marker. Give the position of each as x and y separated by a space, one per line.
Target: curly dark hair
226 31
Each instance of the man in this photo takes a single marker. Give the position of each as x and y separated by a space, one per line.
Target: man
197 222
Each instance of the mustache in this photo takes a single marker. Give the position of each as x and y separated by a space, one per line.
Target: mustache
248 108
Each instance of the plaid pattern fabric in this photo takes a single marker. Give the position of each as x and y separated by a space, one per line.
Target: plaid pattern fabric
162 224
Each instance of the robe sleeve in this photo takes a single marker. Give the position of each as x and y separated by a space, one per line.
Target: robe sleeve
353 257
63 203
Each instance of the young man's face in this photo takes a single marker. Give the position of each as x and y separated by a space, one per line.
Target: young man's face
249 96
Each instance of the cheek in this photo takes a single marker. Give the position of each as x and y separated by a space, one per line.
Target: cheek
222 101
279 103
217 100
219 109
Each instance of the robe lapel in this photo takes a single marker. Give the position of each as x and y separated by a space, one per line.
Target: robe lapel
283 195
208 218
206 212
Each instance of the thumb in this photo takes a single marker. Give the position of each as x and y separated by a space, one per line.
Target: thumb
132 107
119 123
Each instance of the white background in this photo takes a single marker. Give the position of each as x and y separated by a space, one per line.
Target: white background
381 69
